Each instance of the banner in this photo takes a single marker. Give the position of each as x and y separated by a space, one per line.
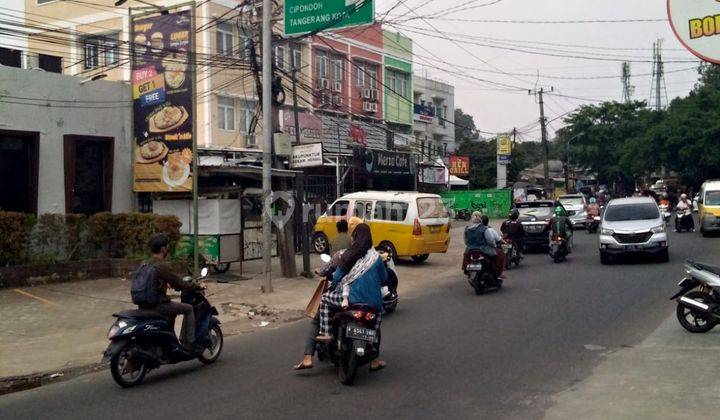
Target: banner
459 165
433 175
311 127
504 145
162 103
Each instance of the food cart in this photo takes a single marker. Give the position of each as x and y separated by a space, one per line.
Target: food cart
219 229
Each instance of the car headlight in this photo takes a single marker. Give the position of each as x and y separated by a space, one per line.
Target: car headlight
658 229
606 231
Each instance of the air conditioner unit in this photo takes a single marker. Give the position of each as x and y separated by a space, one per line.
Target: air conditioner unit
337 86
325 100
373 107
337 100
324 84
373 94
366 93
367 107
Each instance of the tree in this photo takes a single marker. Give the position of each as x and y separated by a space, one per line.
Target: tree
464 127
482 162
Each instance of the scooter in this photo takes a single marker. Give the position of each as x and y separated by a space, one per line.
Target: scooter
142 339
665 212
389 292
698 301
558 248
355 339
481 274
683 220
593 223
511 251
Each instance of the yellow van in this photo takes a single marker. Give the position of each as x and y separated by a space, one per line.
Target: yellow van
404 224
709 207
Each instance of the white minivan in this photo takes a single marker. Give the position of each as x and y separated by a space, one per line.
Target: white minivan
633 225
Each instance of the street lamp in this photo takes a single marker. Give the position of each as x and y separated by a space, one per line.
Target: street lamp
160 9
567 160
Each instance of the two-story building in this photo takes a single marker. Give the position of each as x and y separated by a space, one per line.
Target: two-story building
434 116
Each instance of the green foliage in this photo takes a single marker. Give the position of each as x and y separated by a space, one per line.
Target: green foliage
465 129
13 232
482 155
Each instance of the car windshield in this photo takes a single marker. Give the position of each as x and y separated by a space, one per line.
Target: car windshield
625 212
712 198
535 211
571 201
431 208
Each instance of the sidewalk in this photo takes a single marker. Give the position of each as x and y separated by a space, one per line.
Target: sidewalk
672 374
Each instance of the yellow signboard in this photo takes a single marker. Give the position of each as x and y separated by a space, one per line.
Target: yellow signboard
504 145
143 87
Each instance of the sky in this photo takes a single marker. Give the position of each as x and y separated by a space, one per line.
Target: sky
500 109
500 102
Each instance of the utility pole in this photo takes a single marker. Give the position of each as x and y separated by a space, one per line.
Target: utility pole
304 234
545 146
267 109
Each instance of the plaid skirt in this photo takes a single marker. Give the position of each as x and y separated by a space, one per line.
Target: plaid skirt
331 302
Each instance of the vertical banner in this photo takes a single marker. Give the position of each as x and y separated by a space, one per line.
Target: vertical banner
162 102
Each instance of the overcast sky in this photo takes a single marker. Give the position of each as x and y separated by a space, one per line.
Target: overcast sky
501 110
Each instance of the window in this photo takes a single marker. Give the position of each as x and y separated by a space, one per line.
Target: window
391 82
337 68
247 112
296 56
226 113
18 171
627 212
359 74
224 38
431 208
403 85
372 73
712 198
44 1
363 209
394 211
279 56
339 208
111 49
321 63
91 53
50 63
10 58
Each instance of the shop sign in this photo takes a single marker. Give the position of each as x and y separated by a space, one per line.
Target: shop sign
402 140
163 93
697 25
382 162
306 156
423 113
303 16
358 135
311 127
504 145
433 175
459 165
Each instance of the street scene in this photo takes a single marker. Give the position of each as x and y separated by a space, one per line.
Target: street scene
491 209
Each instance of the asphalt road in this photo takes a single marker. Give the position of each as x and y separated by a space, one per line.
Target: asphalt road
451 354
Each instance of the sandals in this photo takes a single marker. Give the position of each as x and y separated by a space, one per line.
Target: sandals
379 366
302 366
323 338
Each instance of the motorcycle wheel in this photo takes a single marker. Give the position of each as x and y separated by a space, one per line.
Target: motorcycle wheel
213 350
390 306
348 367
691 321
119 365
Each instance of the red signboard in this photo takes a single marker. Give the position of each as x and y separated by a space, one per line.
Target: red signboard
460 165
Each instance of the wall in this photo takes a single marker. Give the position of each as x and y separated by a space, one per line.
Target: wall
430 89
106 112
397 51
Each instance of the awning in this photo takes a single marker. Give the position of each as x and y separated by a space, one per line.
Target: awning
245 170
455 181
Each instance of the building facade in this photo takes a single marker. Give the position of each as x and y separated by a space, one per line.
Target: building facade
434 116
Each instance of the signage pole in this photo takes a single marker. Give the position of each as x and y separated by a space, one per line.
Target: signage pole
267 142
304 236
337 164
196 166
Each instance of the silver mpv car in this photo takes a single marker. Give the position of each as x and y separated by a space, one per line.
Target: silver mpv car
632 225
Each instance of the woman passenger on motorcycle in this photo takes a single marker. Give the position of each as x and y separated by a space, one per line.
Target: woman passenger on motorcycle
358 279
479 238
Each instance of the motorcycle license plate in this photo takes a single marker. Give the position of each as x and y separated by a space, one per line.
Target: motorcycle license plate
360 333
507 247
474 267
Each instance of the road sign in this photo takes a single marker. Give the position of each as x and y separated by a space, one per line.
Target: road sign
697 25
303 16
504 159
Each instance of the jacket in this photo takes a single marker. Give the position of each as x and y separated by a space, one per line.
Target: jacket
561 226
513 229
366 289
342 241
165 277
476 239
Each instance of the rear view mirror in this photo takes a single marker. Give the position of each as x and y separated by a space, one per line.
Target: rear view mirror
204 272
325 258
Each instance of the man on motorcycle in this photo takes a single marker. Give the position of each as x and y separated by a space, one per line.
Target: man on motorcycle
561 226
685 206
514 230
593 210
164 276
479 238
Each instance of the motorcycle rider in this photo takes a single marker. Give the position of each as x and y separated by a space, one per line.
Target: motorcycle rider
478 238
164 276
497 240
685 205
561 226
514 230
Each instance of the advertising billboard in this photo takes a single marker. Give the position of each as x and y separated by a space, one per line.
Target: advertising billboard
459 165
697 25
162 102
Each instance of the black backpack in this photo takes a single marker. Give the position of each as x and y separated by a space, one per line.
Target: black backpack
144 288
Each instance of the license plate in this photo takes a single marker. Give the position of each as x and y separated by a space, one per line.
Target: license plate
506 247
474 267
360 333
434 229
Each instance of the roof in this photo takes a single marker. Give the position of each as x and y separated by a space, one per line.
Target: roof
387 195
537 203
631 200
714 184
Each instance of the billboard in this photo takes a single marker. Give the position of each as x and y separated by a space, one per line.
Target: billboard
162 102
504 145
697 25
459 165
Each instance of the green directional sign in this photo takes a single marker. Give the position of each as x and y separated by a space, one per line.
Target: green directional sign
303 16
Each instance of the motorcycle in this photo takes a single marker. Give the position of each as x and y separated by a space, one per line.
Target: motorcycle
665 211
683 220
511 251
558 248
355 339
142 339
481 274
593 223
389 292
698 301
463 214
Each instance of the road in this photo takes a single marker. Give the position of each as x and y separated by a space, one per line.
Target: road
451 354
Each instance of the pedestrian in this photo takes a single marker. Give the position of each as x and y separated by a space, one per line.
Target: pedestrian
342 240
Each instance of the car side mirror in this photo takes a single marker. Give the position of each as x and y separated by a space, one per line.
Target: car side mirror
326 258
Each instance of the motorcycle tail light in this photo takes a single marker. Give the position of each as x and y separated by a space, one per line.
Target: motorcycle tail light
358 315
417 228
369 316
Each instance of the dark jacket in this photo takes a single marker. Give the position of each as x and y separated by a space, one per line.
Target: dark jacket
475 239
513 229
561 226
166 277
366 288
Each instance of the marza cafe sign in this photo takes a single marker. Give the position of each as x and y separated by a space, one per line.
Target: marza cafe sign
696 24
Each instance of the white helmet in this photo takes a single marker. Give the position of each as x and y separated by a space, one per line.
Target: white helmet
683 196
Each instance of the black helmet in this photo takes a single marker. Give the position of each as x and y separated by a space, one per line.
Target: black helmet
514 214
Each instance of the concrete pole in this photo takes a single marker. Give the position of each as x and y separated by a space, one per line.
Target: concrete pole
267 109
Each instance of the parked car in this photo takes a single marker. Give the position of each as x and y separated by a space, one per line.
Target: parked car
633 225
403 224
709 207
576 207
535 217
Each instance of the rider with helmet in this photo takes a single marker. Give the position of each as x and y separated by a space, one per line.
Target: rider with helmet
685 206
561 226
512 229
593 209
